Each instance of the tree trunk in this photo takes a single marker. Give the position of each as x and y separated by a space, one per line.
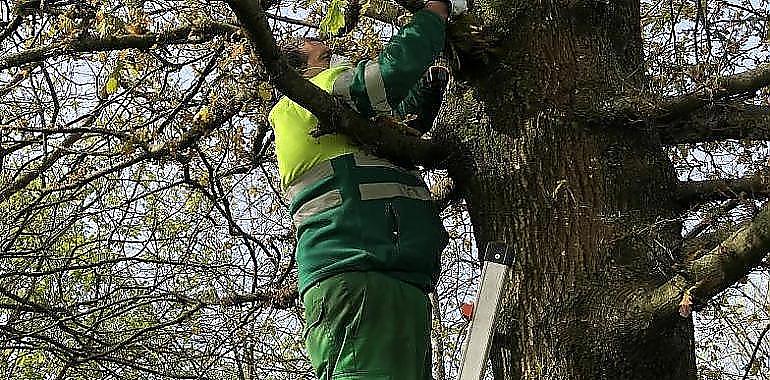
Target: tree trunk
588 208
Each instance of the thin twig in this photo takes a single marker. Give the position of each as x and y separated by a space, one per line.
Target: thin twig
756 349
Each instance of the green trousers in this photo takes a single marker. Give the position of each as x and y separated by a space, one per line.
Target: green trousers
366 325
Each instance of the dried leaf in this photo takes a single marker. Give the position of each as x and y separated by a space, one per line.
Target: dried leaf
135 29
685 305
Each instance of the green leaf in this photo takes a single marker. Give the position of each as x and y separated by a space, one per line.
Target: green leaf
334 20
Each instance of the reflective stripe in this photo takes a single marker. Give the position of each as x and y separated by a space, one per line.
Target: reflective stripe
375 88
341 87
371 191
317 205
318 172
367 160
324 170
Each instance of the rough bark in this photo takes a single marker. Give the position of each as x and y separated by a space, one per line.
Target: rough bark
713 272
745 83
588 207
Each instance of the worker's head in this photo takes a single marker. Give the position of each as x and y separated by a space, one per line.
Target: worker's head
309 56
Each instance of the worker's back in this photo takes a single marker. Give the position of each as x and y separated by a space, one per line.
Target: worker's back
353 211
369 237
297 151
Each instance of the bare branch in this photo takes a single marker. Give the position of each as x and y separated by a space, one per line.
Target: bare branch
47 163
708 221
755 186
332 114
645 111
293 21
88 44
20 76
11 27
203 127
282 298
736 121
714 272
754 354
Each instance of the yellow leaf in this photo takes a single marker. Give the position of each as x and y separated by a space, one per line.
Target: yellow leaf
133 71
65 24
112 85
203 115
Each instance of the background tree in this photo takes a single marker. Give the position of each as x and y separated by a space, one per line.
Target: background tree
612 144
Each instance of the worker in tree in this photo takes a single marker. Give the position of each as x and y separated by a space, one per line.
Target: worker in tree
369 236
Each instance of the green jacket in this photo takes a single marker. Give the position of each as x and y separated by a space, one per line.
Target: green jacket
355 212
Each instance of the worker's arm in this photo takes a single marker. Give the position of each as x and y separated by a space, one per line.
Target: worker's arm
421 105
379 86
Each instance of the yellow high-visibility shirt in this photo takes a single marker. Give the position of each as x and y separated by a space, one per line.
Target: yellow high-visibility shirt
297 151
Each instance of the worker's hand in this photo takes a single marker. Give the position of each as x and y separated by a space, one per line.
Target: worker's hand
440 8
458 7
454 7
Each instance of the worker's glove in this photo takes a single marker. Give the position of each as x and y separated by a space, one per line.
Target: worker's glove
456 7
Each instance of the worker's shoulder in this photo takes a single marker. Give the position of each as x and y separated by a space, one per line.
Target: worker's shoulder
325 79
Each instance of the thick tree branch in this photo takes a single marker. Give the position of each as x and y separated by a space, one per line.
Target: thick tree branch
741 84
736 121
709 220
755 186
695 247
714 272
87 44
332 115
647 111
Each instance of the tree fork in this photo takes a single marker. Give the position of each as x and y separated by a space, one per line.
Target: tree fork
714 272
